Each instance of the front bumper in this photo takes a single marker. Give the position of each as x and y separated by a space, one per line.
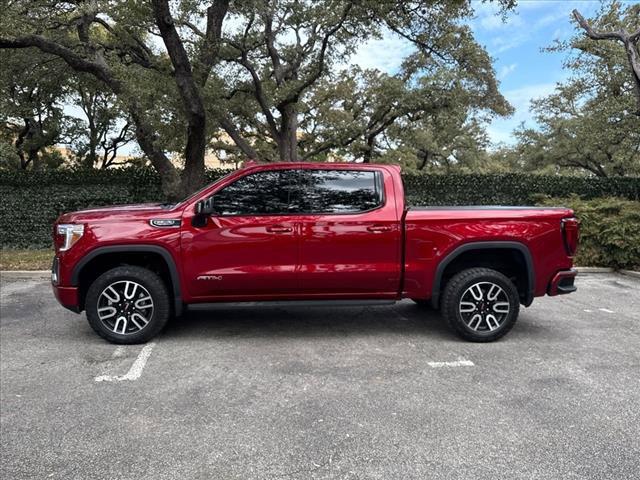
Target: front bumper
68 297
562 283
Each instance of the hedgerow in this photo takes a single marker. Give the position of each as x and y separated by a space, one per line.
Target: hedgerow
609 231
31 201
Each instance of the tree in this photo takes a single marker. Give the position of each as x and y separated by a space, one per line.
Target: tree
248 81
617 30
286 61
33 90
590 123
106 129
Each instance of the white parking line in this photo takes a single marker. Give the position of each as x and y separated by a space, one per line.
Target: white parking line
461 362
606 310
136 369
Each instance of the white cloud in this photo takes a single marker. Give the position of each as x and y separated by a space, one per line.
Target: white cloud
506 70
385 54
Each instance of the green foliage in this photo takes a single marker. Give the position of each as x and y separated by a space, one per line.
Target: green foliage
33 200
590 123
609 230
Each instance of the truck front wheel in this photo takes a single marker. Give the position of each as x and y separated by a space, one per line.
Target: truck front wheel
128 305
480 304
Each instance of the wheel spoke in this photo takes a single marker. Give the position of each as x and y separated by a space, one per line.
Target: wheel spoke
144 302
492 322
467 307
493 292
111 294
476 291
477 318
134 287
110 312
501 307
139 321
122 320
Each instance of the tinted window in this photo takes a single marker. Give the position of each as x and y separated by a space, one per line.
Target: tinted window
262 193
340 191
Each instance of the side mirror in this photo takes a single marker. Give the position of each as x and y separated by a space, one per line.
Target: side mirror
205 207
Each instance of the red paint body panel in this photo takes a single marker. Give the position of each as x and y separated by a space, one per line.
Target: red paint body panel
385 253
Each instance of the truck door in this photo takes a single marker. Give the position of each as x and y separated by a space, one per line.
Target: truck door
350 234
249 246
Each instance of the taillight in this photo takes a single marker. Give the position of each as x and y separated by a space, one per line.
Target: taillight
571 234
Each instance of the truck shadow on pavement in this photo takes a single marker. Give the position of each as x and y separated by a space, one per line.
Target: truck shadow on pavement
251 321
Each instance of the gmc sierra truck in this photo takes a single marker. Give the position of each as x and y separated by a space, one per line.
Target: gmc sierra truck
312 233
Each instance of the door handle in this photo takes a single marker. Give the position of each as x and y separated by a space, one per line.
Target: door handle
379 228
279 229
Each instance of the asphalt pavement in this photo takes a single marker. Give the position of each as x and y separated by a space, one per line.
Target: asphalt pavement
308 393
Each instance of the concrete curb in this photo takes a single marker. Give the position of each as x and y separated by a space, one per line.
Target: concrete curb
31 274
583 270
630 273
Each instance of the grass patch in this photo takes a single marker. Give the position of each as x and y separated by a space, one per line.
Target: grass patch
17 259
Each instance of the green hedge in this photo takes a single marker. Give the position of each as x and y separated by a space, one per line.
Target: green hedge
31 201
609 231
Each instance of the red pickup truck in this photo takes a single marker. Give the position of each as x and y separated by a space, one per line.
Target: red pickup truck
309 232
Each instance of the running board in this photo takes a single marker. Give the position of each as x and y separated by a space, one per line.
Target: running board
294 303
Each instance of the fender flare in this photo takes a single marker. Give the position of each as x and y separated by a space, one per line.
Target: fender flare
137 248
451 256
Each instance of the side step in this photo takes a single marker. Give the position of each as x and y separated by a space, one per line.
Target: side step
293 304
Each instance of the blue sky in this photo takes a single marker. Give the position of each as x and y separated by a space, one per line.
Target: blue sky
524 71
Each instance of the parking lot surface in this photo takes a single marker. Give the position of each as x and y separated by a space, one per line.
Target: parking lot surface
247 392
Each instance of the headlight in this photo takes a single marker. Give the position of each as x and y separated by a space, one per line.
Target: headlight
70 235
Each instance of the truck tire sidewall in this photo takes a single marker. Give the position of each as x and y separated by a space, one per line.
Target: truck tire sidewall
454 291
149 280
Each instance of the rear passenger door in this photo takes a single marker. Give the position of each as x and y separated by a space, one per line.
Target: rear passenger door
350 234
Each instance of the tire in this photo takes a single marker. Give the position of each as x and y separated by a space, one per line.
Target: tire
480 304
128 305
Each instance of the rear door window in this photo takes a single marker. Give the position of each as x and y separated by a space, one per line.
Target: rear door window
340 191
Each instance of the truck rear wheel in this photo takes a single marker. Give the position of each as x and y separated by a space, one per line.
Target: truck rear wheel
480 304
128 305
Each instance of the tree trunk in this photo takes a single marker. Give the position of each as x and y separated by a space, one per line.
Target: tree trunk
35 160
90 159
368 151
193 175
145 136
288 141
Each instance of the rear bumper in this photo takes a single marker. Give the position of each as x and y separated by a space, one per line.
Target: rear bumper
562 283
67 297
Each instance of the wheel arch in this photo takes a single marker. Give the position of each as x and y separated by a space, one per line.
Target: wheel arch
521 249
108 251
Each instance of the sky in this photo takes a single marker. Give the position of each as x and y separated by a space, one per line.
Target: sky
524 71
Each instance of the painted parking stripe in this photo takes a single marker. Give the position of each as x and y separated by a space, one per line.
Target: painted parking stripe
606 310
461 362
136 369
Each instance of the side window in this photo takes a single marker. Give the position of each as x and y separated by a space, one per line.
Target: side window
341 191
262 193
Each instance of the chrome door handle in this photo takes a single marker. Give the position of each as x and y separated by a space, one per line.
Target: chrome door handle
379 228
279 229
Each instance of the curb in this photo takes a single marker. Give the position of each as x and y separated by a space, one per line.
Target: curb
31 274
583 270
630 273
